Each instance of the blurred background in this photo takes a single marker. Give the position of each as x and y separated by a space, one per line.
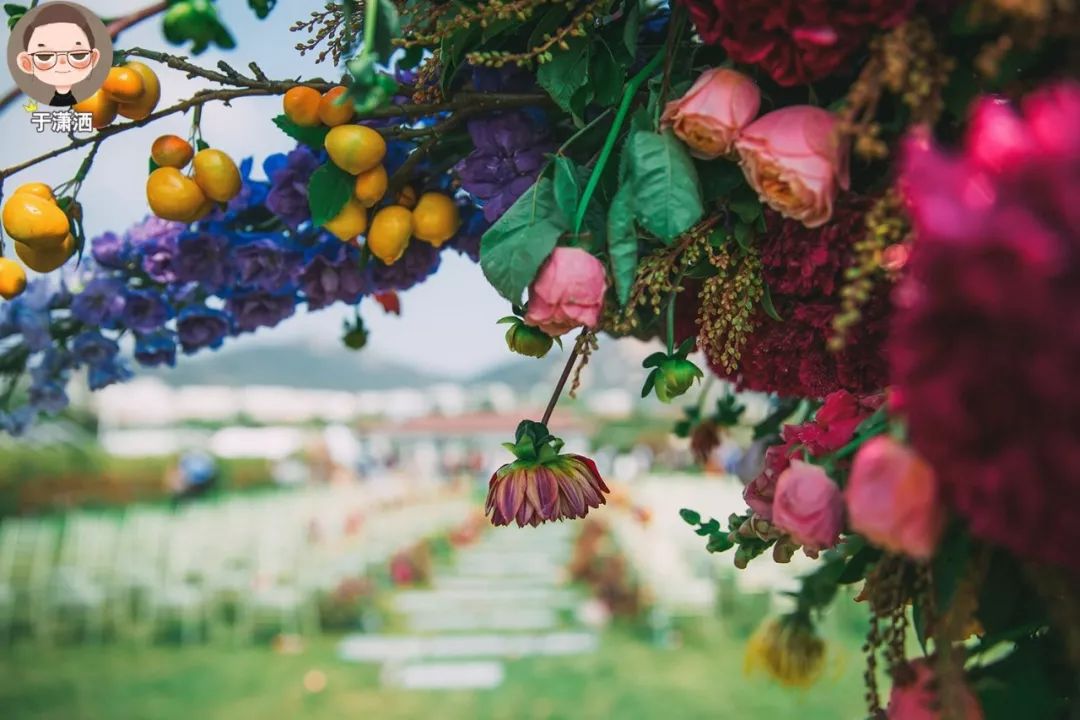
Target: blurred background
287 529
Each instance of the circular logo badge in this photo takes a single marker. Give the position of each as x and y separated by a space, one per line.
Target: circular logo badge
59 53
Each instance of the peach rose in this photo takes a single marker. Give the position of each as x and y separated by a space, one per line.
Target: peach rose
807 505
713 111
795 161
892 499
568 292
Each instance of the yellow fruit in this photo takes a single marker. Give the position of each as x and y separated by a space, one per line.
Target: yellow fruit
171 151
203 210
40 189
123 85
355 148
389 234
44 260
435 218
301 105
407 197
350 222
217 175
101 107
34 220
371 186
12 279
173 196
332 112
146 103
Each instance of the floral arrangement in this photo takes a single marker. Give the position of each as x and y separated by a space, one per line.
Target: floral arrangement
859 206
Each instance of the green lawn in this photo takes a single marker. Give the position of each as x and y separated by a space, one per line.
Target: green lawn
627 679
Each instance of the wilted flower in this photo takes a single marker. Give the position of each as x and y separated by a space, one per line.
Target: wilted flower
788 650
713 112
525 339
542 485
568 292
892 499
808 505
794 158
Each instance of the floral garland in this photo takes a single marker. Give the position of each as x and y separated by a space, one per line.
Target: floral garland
861 206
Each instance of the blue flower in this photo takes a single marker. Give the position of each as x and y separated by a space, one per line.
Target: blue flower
93 348
110 250
157 348
100 304
251 311
16 422
203 258
158 257
53 364
145 310
252 192
262 264
28 315
48 397
201 327
106 374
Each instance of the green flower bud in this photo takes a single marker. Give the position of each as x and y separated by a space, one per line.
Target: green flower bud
674 376
526 339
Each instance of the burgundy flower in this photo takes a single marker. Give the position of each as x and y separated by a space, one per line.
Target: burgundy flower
794 41
985 348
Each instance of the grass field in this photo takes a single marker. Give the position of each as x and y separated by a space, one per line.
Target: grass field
627 679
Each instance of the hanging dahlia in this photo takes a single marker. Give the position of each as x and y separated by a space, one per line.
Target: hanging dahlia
985 348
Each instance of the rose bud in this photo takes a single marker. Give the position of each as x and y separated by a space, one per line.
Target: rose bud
568 292
892 499
673 377
808 506
795 161
713 111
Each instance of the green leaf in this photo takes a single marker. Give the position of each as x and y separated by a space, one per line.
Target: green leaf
313 137
153 165
568 185
690 517
667 198
745 204
328 190
622 242
719 179
650 381
632 26
262 8
567 71
719 542
12 9
551 19
949 564
767 303
607 76
387 27
513 249
201 144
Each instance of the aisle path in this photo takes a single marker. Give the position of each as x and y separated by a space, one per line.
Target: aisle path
500 599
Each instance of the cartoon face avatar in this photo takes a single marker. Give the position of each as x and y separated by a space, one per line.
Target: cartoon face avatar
58 50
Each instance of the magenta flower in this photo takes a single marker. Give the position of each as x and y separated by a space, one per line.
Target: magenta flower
542 485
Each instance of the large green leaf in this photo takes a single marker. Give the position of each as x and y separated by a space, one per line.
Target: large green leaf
607 76
514 248
622 242
313 137
328 190
568 185
567 71
387 27
667 196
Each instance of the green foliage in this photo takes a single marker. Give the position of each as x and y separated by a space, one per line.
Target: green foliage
719 538
667 197
566 73
568 185
513 249
14 13
262 8
387 27
197 22
950 563
313 137
622 242
329 189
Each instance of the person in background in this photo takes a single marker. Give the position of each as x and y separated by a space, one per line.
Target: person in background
194 475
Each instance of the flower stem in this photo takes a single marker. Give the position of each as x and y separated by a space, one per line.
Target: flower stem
609 142
371 15
565 375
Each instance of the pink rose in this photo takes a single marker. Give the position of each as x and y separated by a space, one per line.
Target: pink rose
892 499
713 111
567 293
795 161
913 697
760 492
808 506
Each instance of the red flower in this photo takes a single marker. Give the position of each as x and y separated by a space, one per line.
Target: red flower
794 41
986 343
833 426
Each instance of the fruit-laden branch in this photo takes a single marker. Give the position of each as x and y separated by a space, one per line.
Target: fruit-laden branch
115 26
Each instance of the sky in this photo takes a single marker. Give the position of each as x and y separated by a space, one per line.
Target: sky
447 323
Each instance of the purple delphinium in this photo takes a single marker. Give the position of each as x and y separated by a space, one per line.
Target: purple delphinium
156 348
251 311
28 315
145 310
110 250
289 176
201 327
153 228
252 192
100 304
325 280
202 258
106 374
467 239
90 347
262 264
508 155
419 261
48 397
158 258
